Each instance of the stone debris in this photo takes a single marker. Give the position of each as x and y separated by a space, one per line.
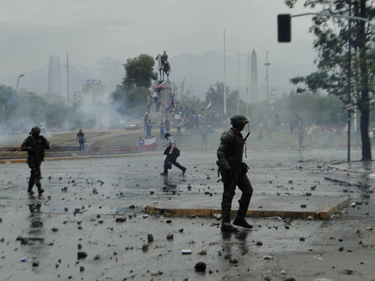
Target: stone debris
259 243
97 257
95 191
55 229
150 238
123 219
233 260
200 266
81 255
145 247
23 240
36 263
302 239
170 236
81 268
202 253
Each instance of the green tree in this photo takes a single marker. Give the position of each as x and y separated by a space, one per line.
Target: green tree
139 72
331 43
9 101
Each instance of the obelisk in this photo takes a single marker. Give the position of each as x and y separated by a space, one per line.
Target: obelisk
254 78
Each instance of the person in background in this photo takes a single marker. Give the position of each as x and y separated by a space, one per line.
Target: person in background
81 140
178 126
167 125
161 125
148 130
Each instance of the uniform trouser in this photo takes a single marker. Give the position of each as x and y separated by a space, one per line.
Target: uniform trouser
243 184
81 145
171 159
35 174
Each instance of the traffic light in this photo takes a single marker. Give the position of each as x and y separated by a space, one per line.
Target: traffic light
284 28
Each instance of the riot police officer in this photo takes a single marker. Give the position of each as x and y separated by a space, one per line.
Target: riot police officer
35 145
233 172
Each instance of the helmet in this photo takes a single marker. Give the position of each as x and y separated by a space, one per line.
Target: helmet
239 121
35 129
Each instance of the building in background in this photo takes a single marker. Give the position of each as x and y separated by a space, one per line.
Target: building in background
54 77
94 89
254 78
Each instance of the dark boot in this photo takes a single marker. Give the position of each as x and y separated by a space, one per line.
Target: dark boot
241 214
226 226
40 190
30 190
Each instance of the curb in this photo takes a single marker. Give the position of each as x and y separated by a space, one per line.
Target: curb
333 166
8 161
321 215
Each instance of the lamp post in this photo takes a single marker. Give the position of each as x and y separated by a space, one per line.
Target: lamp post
267 64
18 81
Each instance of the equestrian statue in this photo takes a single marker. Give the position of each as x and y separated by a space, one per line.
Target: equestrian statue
163 65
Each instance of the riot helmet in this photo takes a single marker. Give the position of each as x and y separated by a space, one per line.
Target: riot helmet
239 121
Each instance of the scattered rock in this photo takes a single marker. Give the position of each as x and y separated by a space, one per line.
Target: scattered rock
35 263
81 255
303 206
302 239
97 257
145 247
150 238
81 268
259 243
290 279
181 230
79 246
310 218
200 266
123 219
233 260
55 229
169 221
95 191
131 207
202 253
170 236
369 228
23 240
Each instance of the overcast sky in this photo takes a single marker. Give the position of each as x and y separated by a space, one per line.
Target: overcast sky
89 30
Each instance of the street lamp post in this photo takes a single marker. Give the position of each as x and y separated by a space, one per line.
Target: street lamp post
18 81
267 64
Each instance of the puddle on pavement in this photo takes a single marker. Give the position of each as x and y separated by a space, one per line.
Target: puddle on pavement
60 209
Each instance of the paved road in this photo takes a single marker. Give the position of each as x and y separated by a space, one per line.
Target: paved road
341 248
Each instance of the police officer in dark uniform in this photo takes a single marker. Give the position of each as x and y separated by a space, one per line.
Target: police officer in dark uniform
35 145
233 172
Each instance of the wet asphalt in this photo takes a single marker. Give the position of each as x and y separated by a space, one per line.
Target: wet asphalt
69 213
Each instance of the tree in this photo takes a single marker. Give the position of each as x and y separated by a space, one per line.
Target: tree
332 45
139 72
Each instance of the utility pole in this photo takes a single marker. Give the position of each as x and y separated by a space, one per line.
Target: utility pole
67 77
225 78
267 64
247 89
349 75
238 86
